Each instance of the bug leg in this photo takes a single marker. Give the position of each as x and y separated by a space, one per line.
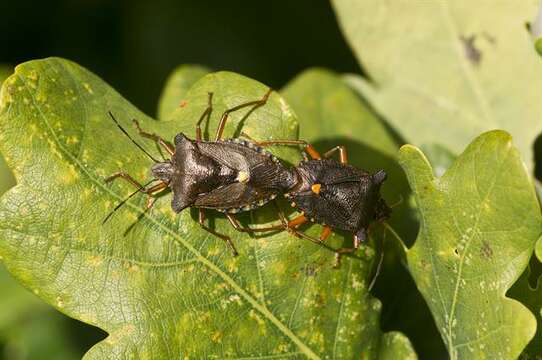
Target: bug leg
297 221
360 237
225 115
167 146
201 221
325 233
307 147
302 235
342 153
151 192
206 115
125 176
237 226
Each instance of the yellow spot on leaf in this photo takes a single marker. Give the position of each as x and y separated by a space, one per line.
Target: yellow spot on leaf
95 260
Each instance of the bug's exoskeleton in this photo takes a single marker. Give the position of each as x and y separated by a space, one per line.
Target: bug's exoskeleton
334 194
227 175
338 196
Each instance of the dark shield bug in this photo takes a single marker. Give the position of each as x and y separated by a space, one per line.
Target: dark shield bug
338 196
230 175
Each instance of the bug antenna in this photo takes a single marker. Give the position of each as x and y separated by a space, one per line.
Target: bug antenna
129 137
119 205
398 202
379 265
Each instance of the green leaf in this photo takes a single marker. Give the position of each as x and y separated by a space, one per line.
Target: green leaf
176 88
480 222
156 282
443 71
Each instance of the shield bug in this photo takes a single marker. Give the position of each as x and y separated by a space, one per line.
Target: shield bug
338 196
227 175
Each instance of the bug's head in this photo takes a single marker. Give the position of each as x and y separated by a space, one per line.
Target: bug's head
163 171
382 210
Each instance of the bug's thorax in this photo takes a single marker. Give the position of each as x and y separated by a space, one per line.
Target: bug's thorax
194 173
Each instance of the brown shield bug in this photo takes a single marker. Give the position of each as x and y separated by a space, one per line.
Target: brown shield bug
227 175
338 196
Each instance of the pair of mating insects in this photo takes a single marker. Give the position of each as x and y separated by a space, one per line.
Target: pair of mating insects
235 175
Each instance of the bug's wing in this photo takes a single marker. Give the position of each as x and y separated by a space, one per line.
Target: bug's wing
225 154
236 195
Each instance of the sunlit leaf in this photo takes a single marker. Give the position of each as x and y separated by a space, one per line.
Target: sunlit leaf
479 225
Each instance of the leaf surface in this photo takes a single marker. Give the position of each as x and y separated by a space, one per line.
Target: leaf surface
156 282
177 85
479 225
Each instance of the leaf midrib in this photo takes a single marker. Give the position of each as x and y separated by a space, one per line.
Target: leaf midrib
255 304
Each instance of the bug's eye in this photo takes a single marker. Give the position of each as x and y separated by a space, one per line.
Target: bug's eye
316 188
162 171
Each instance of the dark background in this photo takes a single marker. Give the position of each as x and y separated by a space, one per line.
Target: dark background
134 45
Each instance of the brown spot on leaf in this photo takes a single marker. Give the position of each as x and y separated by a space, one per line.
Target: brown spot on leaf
310 270
183 103
486 250
471 52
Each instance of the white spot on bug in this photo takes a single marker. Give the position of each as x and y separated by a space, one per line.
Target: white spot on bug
243 177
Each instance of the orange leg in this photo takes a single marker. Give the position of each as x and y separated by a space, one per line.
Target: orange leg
308 147
151 192
298 220
346 250
342 154
201 221
170 149
325 233
225 115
